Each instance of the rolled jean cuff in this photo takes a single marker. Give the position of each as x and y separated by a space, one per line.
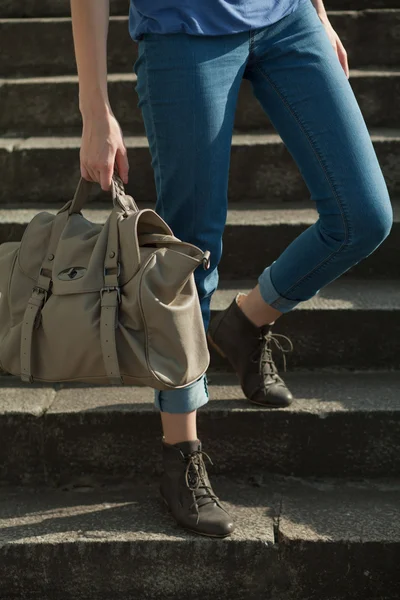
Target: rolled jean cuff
183 400
271 296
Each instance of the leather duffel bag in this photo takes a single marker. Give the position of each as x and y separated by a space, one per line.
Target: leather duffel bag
113 303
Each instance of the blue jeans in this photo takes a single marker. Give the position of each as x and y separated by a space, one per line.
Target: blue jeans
188 88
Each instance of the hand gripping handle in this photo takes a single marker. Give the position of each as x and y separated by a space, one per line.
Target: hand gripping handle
119 198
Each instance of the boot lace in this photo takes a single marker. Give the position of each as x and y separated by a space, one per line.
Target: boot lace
267 364
196 481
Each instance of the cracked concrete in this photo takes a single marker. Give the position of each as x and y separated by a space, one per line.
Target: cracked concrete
101 534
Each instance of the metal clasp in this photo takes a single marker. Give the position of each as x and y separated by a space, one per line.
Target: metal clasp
206 260
40 290
111 288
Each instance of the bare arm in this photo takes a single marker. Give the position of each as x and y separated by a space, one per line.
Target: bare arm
90 28
320 8
332 35
102 140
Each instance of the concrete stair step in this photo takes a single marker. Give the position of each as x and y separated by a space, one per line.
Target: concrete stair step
351 324
54 8
48 46
254 236
294 539
61 8
46 169
341 424
32 106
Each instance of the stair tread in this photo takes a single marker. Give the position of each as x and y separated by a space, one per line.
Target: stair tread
343 294
134 514
139 141
246 214
319 393
62 7
125 17
341 511
119 77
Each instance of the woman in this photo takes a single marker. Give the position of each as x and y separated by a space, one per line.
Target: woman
192 58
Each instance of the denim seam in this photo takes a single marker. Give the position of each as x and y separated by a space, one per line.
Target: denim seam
251 42
324 263
150 105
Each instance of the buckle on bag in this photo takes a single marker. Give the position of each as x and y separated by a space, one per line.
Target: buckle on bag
111 288
40 291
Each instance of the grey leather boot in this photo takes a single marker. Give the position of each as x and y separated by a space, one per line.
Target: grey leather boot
249 350
187 491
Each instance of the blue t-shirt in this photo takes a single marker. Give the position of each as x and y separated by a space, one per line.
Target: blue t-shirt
205 17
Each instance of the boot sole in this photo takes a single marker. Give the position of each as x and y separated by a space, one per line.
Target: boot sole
193 530
218 349
271 405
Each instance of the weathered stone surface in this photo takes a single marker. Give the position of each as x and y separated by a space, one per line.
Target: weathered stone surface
48 46
261 168
32 399
358 29
21 429
125 545
352 519
294 540
53 8
33 105
341 424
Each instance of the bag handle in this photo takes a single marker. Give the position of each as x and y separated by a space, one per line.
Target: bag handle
119 198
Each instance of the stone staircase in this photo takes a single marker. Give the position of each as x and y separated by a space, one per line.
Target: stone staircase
314 489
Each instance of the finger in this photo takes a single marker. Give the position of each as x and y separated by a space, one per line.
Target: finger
106 173
123 164
85 173
89 173
93 173
87 170
342 54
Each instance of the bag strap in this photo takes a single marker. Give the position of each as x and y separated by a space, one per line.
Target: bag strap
110 300
119 197
38 298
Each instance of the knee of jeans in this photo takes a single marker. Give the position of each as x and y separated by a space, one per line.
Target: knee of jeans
333 229
362 232
373 228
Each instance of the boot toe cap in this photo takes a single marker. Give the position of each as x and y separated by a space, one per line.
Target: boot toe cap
215 523
277 396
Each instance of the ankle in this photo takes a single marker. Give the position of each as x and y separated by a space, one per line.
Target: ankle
173 441
256 309
179 427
